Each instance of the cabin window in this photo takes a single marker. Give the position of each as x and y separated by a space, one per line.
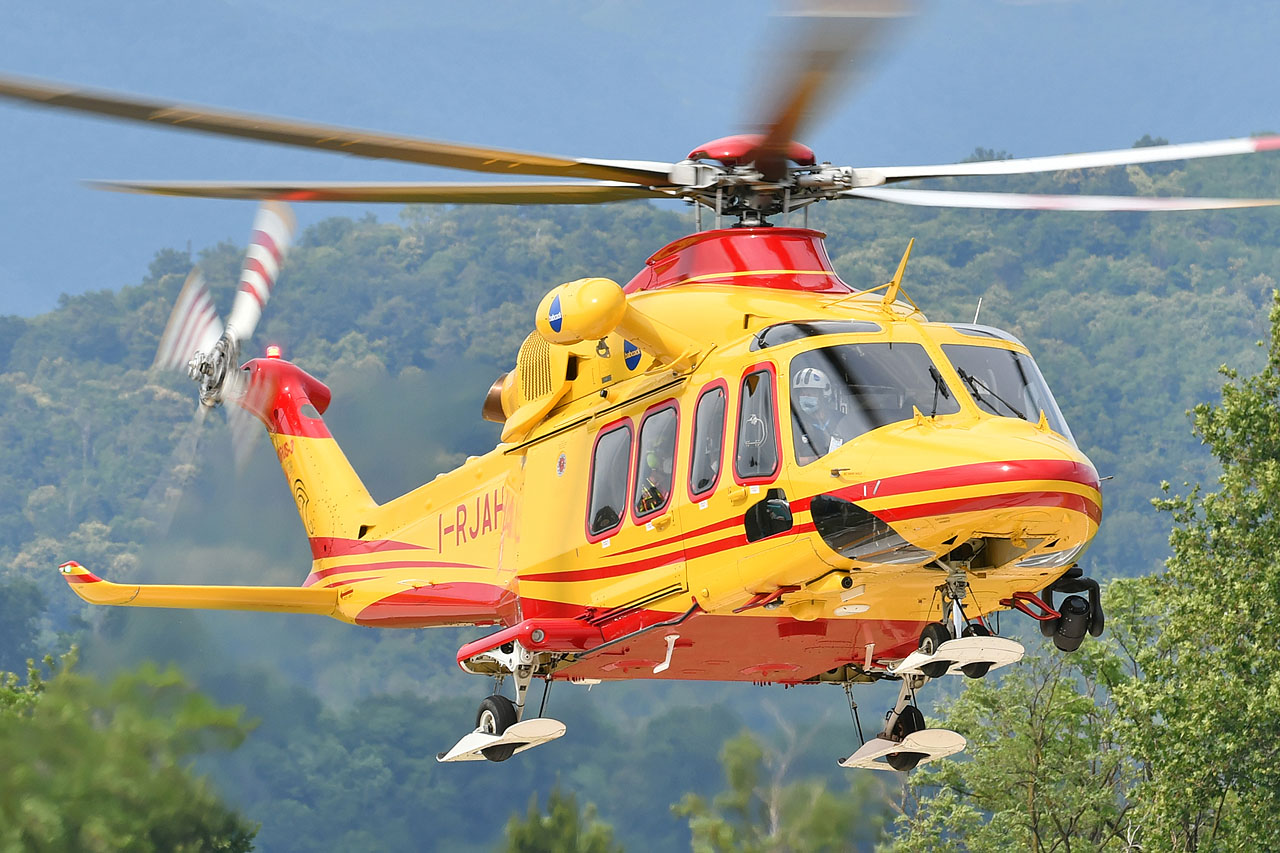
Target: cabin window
610 462
756 455
708 440
839 393
655 461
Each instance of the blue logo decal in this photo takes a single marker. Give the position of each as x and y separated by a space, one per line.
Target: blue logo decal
555 318
630 354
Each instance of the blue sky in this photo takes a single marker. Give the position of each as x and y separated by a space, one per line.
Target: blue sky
612 79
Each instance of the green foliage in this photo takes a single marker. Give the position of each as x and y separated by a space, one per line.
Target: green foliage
1205 716
1044 771
1164 737
21 605
564 828
105 767
764 810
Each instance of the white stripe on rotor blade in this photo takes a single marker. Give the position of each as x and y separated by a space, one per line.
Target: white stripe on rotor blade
254 279
1028 201
1085 160
263 255
192 326
276 220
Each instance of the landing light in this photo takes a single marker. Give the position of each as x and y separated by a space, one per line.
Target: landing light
1052 559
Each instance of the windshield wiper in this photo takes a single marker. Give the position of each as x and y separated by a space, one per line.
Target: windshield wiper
939 387
974 383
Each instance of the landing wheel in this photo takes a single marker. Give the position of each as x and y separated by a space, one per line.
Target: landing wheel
496 715
909 721
976 670
933 636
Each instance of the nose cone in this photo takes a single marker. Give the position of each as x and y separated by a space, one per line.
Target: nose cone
1009 489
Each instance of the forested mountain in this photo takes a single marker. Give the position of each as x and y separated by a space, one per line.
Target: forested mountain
1129 316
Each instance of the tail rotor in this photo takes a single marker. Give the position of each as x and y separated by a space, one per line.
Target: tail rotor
195 338
196 341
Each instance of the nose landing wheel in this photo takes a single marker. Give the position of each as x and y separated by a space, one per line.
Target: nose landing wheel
931 639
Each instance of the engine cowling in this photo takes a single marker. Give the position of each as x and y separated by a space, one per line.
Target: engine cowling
584 310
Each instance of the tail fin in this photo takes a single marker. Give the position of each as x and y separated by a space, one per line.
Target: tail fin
331 498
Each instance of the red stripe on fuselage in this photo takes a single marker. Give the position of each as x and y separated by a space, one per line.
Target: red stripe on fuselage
349 581
352 568
441 604
976 474
1009 500
980 473
333 546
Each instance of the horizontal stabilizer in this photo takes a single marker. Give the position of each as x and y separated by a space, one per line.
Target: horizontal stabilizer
280 599
526 734
996 651
915 749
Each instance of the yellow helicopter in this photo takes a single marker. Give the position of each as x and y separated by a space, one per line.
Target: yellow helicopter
735 466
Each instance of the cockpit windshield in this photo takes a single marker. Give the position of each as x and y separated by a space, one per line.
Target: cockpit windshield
840 392
1006 383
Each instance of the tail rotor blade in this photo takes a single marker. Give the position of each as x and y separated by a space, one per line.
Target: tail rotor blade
161 502
272 232
243 396
193 326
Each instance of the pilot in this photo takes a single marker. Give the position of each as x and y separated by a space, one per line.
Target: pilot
655 468
820 426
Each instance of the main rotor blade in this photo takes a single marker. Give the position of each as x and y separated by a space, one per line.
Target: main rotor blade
403 193
837 40
1086 160
1029 201
359 143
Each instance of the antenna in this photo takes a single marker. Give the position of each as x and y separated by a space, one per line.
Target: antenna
891 289
978 311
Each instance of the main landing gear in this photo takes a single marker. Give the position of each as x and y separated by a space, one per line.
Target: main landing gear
905 743
956 646
500 730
